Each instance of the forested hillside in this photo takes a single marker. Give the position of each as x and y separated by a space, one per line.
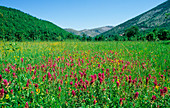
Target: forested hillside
157 17
19 26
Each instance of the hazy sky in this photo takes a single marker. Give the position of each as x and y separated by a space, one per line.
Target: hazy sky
83 14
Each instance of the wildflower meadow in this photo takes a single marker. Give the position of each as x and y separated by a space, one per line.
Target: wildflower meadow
84 74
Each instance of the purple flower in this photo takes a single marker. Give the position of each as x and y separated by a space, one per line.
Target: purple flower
0 77
12 91
76 85
117 84
121 102
2 91
147 80
36 85
71 83
26 105
5 82
161 92
73 93
165 90
22 60
59 89
136 95
49 75
94 102
153 97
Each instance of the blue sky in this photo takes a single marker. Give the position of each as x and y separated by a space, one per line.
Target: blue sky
83 14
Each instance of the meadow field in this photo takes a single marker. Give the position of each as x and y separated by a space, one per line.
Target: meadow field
84 74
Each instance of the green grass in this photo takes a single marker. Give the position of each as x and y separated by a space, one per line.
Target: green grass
63 62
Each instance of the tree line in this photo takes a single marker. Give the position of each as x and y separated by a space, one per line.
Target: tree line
133 34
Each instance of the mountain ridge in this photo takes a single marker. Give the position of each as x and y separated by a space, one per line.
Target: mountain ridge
90 32
155 17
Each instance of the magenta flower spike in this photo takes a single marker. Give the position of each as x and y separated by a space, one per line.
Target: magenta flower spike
136 95
149 76
27 85
26 105
76 85
147 80
121 101
36 85
153 97
94 102
7 70
12 91
59 89
49 75
0 77
117 84
71 83
73 93
161 92
2 91
22 60
98 65
5 82
99 74
112 80
76 79
14 74
165 90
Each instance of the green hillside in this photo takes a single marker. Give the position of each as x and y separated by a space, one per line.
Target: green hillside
19 26
155 18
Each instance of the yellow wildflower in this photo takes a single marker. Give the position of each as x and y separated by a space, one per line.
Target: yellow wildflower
7 96
38 91
157 87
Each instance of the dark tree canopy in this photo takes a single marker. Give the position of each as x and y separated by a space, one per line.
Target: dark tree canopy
19 26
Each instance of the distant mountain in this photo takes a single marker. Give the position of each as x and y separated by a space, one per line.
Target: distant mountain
17 25
90 32
156 17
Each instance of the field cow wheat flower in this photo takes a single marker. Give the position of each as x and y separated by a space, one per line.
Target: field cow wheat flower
84 74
